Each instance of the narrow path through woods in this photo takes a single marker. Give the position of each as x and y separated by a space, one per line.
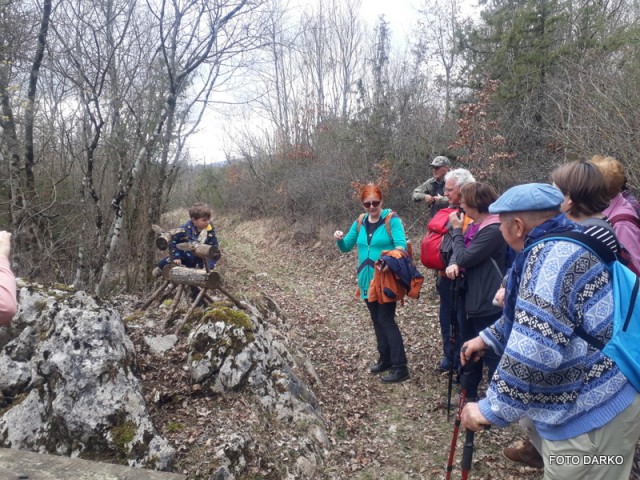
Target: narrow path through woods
378 431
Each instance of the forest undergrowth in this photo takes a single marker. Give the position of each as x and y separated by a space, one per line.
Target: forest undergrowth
377 431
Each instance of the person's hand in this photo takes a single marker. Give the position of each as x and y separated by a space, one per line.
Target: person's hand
472 418
177 261
338 234
498 299
5 244
429 199
452 271
455 220
473 348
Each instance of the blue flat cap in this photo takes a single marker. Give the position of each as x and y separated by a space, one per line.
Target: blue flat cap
529 197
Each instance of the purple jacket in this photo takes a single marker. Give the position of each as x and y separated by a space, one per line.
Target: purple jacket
627 232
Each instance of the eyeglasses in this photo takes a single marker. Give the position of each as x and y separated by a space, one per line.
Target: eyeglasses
374 204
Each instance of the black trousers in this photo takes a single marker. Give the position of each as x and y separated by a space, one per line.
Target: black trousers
471 327
388 336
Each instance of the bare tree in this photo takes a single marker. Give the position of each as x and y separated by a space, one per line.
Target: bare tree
346 51
436 45
19 145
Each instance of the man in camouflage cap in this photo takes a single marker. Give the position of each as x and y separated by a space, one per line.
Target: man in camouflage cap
432 191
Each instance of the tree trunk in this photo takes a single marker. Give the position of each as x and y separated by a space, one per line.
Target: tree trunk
191 276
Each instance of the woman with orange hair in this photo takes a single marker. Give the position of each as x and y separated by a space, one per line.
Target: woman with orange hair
371 237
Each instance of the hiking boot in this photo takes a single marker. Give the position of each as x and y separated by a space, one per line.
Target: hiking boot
527 455
379 367
443 366
396 375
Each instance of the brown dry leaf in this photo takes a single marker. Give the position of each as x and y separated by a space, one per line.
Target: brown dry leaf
333 329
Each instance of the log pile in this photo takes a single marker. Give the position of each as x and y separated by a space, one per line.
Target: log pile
183 281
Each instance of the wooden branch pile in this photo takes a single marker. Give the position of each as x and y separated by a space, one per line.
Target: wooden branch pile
179 281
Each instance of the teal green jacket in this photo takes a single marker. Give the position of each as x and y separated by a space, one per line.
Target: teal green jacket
370 249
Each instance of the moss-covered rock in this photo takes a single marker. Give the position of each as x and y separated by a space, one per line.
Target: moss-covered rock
122 435
230 316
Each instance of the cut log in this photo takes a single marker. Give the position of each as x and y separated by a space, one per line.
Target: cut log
194 277
164 237
200 250
163 241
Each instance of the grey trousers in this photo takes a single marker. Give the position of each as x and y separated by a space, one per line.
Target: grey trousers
605 453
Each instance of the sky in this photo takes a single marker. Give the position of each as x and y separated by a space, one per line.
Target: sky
208 145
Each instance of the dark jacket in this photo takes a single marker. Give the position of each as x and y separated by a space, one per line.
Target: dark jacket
400 279
189 234
482 276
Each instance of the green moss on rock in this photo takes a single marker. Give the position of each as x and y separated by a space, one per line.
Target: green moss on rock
134 317
236 318
63 287
122 435
40 305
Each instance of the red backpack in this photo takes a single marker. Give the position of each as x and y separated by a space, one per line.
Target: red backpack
430 251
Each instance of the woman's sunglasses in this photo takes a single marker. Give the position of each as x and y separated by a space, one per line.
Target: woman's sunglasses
374 204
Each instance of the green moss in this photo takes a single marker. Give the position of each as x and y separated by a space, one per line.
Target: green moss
43 334
63 287
123 435
237 318
40 305
60 297
342 434
134 317
174 427
197 356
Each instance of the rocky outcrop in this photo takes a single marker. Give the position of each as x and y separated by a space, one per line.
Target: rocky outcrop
67 376
231 350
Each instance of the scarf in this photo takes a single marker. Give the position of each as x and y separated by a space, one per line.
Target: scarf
471 231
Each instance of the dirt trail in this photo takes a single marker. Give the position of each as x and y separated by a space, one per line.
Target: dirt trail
378 431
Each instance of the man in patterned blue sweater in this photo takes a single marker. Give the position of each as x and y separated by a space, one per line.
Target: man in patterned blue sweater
585 410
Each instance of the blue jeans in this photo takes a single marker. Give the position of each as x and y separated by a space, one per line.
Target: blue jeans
388 336
471 327
450 349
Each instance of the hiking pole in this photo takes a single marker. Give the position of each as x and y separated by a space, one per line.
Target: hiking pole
466 370
467 454
452 342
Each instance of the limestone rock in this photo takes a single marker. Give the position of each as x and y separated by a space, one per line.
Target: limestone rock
69 367
234 350
159 345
